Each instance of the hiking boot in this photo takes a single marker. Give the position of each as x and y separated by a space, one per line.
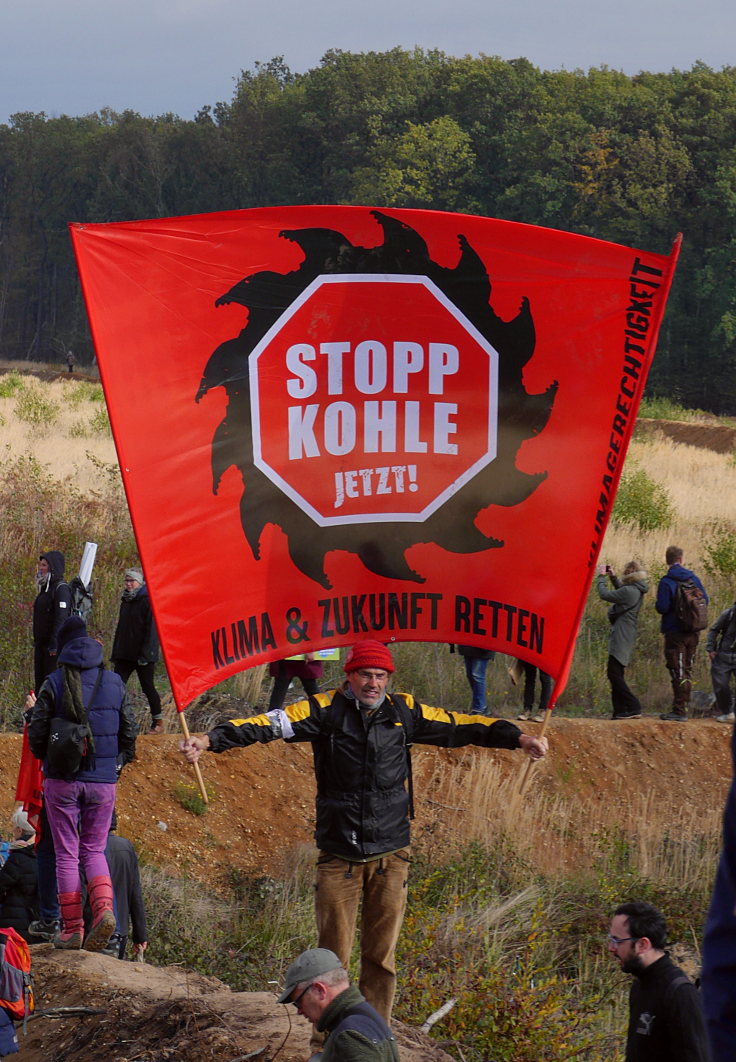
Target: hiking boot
538 718
99 935
103 925
44 929
113 946
727 718
674 717
157 727
71 940
627 715
526 714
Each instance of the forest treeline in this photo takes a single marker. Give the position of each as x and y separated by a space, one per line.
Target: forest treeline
630 159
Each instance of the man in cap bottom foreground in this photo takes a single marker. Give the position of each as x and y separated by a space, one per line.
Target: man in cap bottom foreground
360 736
318 986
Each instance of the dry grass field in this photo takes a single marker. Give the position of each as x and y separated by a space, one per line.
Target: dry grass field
61 422
702 487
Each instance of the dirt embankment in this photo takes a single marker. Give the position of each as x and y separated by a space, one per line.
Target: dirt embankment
263 797
261 811
138 1012
708 436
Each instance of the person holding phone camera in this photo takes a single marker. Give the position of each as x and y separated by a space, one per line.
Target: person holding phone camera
625 599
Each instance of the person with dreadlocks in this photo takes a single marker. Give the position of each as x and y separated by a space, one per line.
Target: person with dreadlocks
80 804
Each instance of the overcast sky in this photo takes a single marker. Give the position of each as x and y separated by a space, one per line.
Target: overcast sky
156 56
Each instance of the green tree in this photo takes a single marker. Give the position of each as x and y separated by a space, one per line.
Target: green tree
429 165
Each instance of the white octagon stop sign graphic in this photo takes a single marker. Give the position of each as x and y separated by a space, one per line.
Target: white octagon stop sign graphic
373 399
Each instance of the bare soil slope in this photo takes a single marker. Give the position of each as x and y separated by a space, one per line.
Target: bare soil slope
149 1014
707 435
262 805
260 813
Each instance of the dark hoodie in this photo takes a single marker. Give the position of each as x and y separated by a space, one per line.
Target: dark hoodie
53 603
666 592
110 717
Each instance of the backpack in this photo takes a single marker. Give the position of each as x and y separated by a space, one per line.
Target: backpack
16 985
82 598
70 740
690 608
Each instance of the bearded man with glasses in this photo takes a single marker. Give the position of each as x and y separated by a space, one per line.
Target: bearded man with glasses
665 1018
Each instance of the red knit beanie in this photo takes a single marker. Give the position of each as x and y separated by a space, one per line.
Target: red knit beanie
369 654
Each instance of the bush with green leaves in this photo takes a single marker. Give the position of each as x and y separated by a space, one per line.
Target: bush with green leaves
39 513
32 407
83 391
97 424
190 797
10 384
641 501
719 552
661 407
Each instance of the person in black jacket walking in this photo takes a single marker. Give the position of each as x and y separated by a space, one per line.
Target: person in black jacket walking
680 644
359 736
53 605
18 879
665 1018
126 885
135 645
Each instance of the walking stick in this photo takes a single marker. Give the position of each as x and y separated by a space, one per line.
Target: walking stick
197 771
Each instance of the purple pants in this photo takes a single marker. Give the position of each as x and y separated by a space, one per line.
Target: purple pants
79 815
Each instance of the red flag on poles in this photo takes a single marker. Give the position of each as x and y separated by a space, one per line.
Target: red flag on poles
336 423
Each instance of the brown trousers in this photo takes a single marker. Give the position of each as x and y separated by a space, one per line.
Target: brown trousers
679 654
381 886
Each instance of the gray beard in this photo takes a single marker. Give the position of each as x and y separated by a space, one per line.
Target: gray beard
348 691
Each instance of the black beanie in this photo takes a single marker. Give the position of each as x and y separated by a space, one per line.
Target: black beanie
74 627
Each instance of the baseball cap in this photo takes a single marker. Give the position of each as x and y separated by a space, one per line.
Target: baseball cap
306 967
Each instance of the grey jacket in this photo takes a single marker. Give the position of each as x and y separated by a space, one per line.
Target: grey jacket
722 635
626 598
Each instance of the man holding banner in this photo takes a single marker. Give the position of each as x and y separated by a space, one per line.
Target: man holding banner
360 735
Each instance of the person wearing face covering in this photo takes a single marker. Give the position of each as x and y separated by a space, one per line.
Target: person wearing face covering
53 605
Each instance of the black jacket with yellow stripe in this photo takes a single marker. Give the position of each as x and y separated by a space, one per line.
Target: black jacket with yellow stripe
360 760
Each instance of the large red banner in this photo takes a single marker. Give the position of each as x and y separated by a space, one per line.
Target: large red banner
336 423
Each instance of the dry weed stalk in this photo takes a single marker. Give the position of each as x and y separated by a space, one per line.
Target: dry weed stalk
492 810
557 835
248 684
